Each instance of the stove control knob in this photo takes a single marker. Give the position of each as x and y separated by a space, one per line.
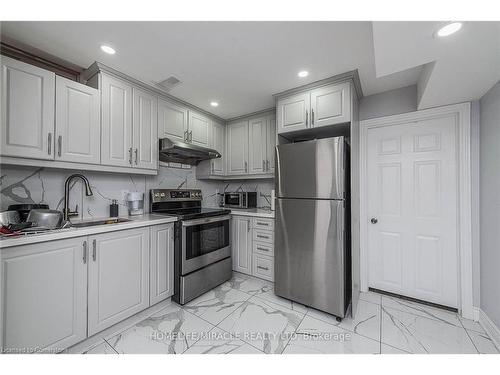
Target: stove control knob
162 195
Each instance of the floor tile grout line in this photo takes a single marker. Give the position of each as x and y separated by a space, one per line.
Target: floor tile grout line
246 342
111 346
468 335
294 332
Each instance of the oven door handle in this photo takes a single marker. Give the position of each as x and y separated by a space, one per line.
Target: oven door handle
207 220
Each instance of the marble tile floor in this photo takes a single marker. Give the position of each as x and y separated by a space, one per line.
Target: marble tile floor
243 316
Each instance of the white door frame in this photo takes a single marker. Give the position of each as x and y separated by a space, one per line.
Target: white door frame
464 231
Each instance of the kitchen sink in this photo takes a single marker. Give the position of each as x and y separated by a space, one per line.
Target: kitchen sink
92 223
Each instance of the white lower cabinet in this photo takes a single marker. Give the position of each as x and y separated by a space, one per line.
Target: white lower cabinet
161 263
118 277
241 244
44 303
253 247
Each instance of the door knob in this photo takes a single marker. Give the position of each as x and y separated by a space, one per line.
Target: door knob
374 220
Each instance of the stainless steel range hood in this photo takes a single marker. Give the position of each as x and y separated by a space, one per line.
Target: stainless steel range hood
185 153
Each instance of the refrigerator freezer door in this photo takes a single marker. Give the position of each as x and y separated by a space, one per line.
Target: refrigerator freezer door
311 169
309 265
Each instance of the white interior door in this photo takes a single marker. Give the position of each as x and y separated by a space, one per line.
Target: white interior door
412 207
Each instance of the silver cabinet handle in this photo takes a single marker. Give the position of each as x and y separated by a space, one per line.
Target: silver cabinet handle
259 236
312 117
246 167
130 155
267 165
259 223
136 155
190 136
213 167
94 250
49 144
262 249
186 136
263 268
263 165
248 227
307 119
59 145
84 252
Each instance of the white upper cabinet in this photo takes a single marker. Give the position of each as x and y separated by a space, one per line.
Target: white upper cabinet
257 147
218 133
172 121
27 111
78 127
237 148
330 105
323 106
293 113
271 144
116 110
44 289
118 284
199 129
145 129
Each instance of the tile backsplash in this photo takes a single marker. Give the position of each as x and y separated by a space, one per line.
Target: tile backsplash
46 185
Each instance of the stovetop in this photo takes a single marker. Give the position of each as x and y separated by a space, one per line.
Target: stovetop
193 213
183 203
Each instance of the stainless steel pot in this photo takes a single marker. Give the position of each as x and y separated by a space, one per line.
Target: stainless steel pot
9 217
51 219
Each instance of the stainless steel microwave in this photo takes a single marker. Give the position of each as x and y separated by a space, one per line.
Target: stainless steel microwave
240 200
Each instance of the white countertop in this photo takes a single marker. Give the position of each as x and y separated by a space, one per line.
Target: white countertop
256 212
136 222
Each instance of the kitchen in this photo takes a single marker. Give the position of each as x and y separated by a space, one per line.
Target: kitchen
327 200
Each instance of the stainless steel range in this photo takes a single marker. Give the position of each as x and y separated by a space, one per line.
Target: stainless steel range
202 257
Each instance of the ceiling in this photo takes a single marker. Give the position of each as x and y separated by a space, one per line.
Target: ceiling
241 64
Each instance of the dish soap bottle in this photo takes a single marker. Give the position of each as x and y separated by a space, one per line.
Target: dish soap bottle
113 208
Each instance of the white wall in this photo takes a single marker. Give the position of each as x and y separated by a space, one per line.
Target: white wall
490 203
388 103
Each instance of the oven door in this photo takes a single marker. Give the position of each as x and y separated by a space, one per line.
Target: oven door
205 241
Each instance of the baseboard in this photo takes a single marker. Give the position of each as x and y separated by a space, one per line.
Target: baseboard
490 328
475 313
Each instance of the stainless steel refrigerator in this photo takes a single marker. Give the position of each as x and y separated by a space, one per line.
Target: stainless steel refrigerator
312 245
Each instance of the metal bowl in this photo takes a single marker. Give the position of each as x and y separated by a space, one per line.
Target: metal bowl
51 219
9 217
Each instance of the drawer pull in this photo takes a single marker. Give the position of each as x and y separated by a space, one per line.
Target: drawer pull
262 248
263 268
259 223
259 236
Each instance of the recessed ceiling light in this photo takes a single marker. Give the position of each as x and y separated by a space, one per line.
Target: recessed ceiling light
108 49
214 104
449 29
303 73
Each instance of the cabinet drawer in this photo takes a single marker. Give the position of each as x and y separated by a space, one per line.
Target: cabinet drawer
263 267
263 235
263 248
260 223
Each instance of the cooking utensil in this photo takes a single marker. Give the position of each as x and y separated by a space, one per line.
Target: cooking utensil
9 217
45 218
25 208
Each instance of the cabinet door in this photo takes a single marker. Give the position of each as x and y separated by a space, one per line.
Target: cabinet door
237 148
241 246
44 295
145 125
118 277
218 131
257 146
271 144
293 113
199 129
78 126
116 111
330 105
27 111
172 121
161 263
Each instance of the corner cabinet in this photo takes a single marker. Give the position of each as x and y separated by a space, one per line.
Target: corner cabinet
44 288
118 277
27 101
323 106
